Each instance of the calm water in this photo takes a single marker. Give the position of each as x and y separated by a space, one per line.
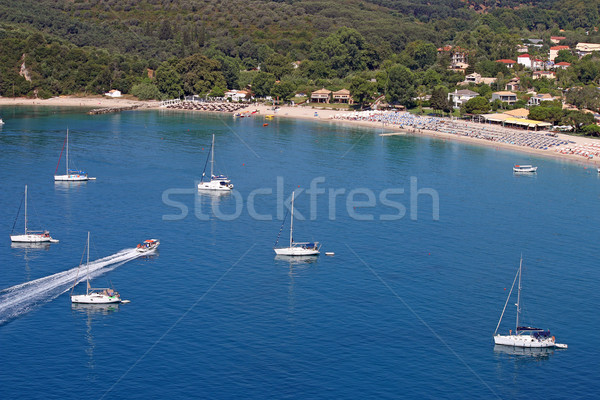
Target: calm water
406 308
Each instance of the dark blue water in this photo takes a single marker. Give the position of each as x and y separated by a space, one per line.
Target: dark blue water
406 308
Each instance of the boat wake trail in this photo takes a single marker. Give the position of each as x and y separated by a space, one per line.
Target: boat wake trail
20 299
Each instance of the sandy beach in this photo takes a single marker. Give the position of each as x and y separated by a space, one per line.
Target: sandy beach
331 117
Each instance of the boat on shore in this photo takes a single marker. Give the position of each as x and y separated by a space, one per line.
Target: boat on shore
296 248
94 295
524 336
148 245
71 175
216 182
30 236
524 169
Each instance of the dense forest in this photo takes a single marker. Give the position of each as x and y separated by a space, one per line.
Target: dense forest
278 47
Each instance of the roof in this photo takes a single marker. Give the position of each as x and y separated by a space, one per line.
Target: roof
506 61
519 113
559 48
322 91
524 56
465 92
563 63
344 92
505 93
504 117
558 37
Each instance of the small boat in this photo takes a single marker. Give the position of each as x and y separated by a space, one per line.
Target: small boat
148 246
296 248
71 175
32 236
1 122
95 295
524 169
524 336
599 170
265 124
217 182
269 116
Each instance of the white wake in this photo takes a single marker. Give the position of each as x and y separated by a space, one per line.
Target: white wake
22 298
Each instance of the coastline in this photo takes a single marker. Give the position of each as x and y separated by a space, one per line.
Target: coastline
327 116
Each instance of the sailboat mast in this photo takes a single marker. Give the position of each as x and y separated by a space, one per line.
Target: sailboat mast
519 296
87 266
212 156
292 221
26 209
67 163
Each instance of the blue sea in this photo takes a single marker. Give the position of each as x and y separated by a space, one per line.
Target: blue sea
427 236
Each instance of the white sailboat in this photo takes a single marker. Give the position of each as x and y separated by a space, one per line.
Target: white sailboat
71 175
32 236
216 182
297 248
524 336
95 295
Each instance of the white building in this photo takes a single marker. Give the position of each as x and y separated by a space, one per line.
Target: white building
113 93
459 97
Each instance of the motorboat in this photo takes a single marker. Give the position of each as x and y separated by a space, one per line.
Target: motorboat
524 169
148 245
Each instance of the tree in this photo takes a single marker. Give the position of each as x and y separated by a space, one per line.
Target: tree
278 65
565 56
283 91
477 105
262 84
591 130
361 90
421 54
439 99
200 74
145 91
168 81
577 119
401 85
342 51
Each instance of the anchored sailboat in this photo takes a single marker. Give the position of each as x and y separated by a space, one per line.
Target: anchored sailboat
95 295
297 248
31 236
524 336
216 182
71 175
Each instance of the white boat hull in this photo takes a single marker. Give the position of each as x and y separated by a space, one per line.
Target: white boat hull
95 298
72 178
527 170
296 251
148 249
216 185
527 341
32 238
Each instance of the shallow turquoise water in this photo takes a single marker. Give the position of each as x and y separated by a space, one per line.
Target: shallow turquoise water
406 307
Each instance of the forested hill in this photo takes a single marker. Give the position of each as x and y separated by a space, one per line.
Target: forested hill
70 46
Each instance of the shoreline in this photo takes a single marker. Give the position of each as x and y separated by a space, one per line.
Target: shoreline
328 116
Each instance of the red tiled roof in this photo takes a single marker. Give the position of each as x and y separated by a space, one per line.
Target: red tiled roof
524 55
558 37
563 63
559 48
506 61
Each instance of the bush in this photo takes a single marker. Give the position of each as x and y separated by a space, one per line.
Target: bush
146 91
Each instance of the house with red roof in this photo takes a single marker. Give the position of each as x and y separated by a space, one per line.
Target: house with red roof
508 63
562 65
554 51
557 39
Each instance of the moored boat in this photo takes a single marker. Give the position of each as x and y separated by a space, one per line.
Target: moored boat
216 182
296 248
524 168
30 236
95 295
524 336
71 175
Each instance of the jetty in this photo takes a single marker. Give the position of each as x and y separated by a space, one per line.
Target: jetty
108 110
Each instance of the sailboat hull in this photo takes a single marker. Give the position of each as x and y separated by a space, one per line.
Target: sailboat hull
96 298
526 341
71 178
222 186
296 251
29 238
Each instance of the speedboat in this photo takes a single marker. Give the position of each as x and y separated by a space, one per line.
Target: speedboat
148 246
524 169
